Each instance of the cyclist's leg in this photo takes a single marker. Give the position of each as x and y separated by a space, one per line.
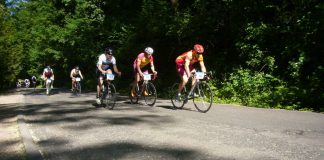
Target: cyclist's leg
184 78
136 80
99 85
73 83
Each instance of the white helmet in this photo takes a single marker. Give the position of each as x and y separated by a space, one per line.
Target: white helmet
149 50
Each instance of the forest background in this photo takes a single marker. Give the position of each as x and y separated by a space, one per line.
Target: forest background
263 53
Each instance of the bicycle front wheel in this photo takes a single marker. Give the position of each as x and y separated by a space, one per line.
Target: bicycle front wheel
110 99
203 97
78 88
177 101
150 94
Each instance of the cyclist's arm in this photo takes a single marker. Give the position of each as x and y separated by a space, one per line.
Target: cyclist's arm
80 74
202 66
138 67
152 67
186 66
116 69
71 74
100 69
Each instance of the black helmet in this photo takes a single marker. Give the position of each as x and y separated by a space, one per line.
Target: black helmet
108 50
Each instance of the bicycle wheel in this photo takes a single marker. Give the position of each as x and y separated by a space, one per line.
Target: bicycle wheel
110 99
78 88
150 94
203 97
177 102
134 99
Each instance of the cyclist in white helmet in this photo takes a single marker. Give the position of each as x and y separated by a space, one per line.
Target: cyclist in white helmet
142 64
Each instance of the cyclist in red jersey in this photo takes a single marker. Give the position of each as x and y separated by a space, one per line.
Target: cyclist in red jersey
185 64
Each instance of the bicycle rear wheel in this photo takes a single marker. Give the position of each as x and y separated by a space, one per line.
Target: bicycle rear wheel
203 97
150 94
110 99
177 101
134 99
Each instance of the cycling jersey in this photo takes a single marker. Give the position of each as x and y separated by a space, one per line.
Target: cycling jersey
143 59
48 73
106 63
189 56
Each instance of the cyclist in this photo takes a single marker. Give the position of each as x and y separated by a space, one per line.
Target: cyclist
48 73
142 64
75 72
185 64
106 64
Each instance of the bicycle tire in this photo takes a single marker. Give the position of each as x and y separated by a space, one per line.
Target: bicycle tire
134 99
151 96
177 103
78 88
204 99
110 98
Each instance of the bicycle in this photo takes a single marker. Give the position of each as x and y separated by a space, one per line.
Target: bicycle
200 93
146 89
77 86
108 92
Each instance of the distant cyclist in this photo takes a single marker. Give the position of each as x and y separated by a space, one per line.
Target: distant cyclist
75 72
142 64
106 64
48 74
185 64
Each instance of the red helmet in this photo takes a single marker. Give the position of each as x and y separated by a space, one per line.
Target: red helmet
198 48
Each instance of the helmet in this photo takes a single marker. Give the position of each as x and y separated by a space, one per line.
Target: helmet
48 67
149 50
108 50
76 67
198 48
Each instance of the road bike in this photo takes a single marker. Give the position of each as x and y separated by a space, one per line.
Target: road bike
108 91
146 89
77 86
200 93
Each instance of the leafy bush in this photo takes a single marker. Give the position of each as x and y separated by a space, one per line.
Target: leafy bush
254 89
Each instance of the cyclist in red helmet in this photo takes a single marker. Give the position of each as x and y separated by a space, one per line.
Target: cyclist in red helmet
185 64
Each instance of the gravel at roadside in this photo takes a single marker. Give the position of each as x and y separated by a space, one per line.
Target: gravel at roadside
11 144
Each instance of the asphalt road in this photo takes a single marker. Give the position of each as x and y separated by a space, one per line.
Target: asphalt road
66 127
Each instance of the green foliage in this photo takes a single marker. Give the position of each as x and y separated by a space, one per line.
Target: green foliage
254 89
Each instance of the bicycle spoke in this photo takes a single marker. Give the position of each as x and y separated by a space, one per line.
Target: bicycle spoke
203 97
177 102
150 94
110 98
134 99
